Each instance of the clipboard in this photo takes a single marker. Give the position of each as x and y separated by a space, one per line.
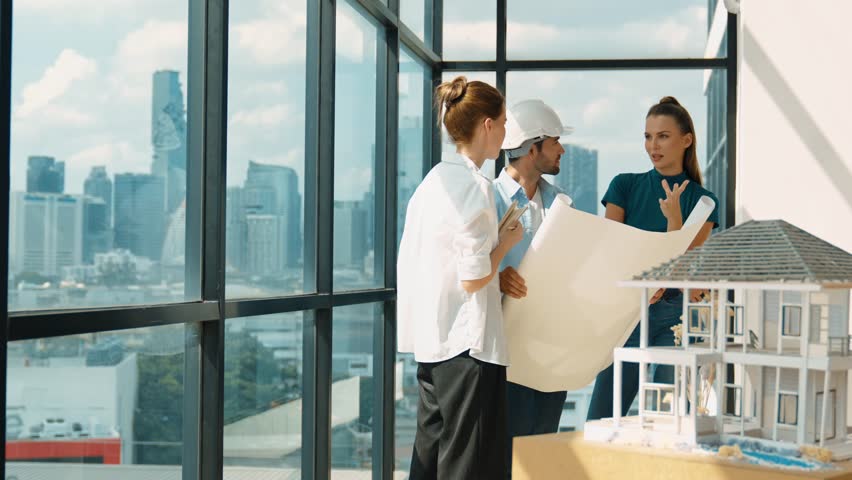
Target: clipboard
511 216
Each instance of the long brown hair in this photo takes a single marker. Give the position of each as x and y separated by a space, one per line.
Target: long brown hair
462 104
669 106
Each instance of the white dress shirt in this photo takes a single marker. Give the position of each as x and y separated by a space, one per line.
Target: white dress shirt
450 231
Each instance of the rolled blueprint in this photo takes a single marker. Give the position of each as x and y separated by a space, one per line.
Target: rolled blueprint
564 331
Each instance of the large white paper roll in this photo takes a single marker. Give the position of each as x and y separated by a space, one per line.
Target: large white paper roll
564 331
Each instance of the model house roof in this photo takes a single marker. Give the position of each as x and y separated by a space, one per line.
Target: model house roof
759 251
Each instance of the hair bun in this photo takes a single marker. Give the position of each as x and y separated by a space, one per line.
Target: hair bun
672 100
455 90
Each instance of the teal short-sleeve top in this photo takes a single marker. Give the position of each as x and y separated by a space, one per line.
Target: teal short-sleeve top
639 195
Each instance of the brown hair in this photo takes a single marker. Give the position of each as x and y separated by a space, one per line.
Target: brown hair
669 106
462 104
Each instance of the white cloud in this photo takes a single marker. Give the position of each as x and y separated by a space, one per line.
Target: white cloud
89 10
681 34
598 111
56 80
271 41
157 45
469 40
265 117
117 156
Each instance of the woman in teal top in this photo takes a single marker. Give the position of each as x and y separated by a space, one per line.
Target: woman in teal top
657 201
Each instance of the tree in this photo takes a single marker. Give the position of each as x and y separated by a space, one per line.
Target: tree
254 382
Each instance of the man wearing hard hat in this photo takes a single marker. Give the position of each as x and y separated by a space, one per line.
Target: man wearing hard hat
532 148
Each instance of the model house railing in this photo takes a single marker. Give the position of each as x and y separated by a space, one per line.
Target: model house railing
839 345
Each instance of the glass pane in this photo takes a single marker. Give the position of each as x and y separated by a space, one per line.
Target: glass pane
355 174
266 155
733 397
666 400
470 30
651 396
96 406
413 14
413 131
792 321
352 399
607 110
829 414
787 411
699 319
553 29
447 147
98 138
263 395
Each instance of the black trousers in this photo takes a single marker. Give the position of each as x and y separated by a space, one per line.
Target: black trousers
461 421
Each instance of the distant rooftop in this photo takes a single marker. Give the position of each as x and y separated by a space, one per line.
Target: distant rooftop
759 251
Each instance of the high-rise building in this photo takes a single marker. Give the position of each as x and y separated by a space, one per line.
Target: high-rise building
46 232
235 248
139 214
99 185
410 165
578 177
168 136
274 190
265 237
97 231
350 234
45 175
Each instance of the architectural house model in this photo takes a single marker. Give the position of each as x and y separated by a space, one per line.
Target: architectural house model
765 357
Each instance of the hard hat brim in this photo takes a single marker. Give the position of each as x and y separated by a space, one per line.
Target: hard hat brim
513 143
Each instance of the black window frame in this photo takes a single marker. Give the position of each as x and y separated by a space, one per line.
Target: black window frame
206 229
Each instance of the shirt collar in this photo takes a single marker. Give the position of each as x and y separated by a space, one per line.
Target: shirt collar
508 184
460 159
679 178
512 187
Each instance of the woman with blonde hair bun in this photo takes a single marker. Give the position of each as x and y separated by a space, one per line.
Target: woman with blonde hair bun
448 295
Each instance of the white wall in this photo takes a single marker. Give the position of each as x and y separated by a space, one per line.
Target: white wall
794 142
794 134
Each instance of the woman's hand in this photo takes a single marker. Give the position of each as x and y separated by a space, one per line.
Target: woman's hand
512 283
511 235
657 296
670 206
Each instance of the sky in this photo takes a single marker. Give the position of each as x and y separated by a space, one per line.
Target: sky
81 86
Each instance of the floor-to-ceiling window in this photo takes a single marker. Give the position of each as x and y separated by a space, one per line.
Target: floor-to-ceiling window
206 199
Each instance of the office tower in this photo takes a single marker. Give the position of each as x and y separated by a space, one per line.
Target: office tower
99 185
578 177
168 136
45 175
139 214
97 232
350 234
45 232
235 247
274 190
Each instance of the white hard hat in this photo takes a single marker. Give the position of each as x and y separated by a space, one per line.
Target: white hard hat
531 120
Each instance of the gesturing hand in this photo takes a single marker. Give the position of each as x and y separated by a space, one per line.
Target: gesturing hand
512 284
670 206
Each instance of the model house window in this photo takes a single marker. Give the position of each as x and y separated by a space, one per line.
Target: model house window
735 320
699 319
570 406
733 401
659 399
829 415
792 324
788 406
